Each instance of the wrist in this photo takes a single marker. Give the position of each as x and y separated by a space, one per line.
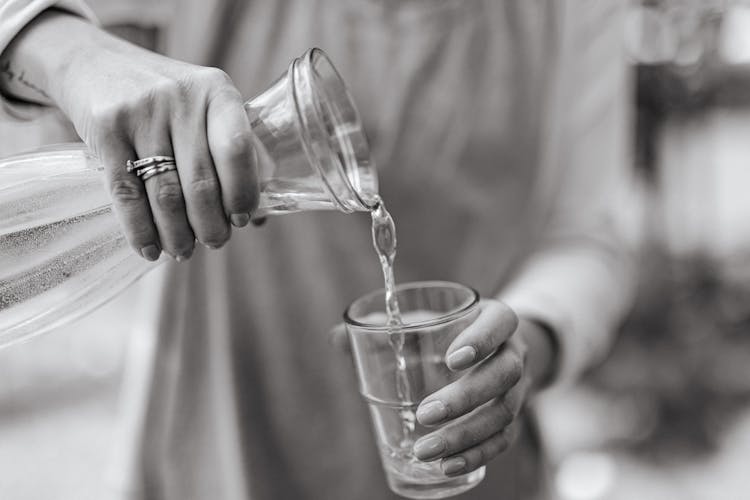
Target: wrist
541 352
43 55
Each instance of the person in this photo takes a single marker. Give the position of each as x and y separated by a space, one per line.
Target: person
500 133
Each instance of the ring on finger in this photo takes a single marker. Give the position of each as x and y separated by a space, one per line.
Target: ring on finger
148 161
151 171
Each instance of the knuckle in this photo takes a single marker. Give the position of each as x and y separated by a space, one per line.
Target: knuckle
483 455
138 104
214 75
464 437
205 189
485 344
164 90
236 149
499 443
139 233
503 443
198 82
169 197
505 413
490 450
109 118
184 86
474 458
515 371
126 191
466 400
508 369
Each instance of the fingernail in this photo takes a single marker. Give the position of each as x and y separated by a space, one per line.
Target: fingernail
183 256
431 413
428 448
462 358
151 252
454 465
240 220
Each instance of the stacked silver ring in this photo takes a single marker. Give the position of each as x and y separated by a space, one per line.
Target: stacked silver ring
146 168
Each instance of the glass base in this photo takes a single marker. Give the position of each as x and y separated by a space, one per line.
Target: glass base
448 487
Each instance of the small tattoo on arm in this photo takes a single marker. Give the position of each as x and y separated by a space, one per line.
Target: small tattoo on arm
10 75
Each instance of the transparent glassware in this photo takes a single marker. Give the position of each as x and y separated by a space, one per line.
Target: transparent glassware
62 253
433 314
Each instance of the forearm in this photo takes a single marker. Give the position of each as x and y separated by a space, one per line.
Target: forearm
37 55
581 294
57 55
38 61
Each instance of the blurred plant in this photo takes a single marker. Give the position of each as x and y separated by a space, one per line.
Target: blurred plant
683 357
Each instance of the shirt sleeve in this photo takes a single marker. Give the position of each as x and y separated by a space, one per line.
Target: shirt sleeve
14 16
580 280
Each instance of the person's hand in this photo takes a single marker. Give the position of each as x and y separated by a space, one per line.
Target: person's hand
128 103
479 409
477 413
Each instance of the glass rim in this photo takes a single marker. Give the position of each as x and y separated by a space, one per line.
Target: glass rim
365 197
449 316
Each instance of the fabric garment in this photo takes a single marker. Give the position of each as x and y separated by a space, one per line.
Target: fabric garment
499 131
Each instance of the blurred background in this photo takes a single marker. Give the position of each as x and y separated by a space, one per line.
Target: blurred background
667 416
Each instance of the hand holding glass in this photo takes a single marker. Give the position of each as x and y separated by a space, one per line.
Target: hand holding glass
433 315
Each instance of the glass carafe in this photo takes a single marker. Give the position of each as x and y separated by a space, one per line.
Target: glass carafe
62 252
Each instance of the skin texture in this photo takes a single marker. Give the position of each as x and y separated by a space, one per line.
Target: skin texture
127 103
512 359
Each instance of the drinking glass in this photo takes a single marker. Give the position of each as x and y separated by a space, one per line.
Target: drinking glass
398 366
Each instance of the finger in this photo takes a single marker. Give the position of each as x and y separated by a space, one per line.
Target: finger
168 209
129 198
494 325
165 197
467 431
231 145
200 184
477 456
339 338
492 378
